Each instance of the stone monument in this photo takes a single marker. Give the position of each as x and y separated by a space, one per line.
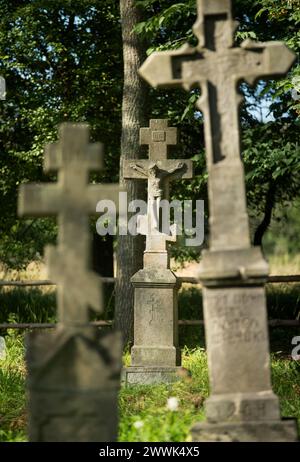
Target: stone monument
155 355
242 405
74 371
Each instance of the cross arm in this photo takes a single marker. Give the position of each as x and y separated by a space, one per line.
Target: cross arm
160 70
179 168
97 192
38 200
150 136
133 169
265 59
93 158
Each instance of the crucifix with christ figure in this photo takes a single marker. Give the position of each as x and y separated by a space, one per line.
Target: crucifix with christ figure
155 355
158 170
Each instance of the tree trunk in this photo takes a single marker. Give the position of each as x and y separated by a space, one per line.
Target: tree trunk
130 248
266 221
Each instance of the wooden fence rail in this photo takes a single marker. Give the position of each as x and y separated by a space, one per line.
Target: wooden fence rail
182 322
111 280
43 283
106 280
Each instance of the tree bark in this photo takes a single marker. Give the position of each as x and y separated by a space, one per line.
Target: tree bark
265 223
130 248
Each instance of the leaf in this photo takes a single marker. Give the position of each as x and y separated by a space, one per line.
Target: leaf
260 12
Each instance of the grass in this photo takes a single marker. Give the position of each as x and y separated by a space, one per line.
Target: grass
12 388
143 404
148 404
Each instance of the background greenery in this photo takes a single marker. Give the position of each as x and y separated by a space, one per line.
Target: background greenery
62 60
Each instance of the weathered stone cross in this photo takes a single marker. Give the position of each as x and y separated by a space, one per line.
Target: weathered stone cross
73 200
217 67
241 405
155 355
159 171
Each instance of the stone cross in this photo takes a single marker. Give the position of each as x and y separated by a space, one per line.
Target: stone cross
74 370
158 170
155 355
72 199
241 405
217 67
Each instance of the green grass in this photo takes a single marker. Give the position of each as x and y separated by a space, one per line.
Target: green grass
12 390
146 404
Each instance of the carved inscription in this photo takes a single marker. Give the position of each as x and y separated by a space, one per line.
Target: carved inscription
159 136
232 318
253 410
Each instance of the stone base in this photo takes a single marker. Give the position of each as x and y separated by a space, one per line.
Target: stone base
73 384
242 407
267 431
138 375
155 356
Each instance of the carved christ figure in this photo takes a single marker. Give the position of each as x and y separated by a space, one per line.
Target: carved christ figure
157 178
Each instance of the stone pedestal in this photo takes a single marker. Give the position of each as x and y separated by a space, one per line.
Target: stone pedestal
155 356
242 405
273 431
74 379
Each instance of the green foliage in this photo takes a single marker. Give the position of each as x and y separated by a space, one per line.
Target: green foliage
27 306
270 150
190 307
283 237
283 301
168 20
271 156
62 61
25 241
